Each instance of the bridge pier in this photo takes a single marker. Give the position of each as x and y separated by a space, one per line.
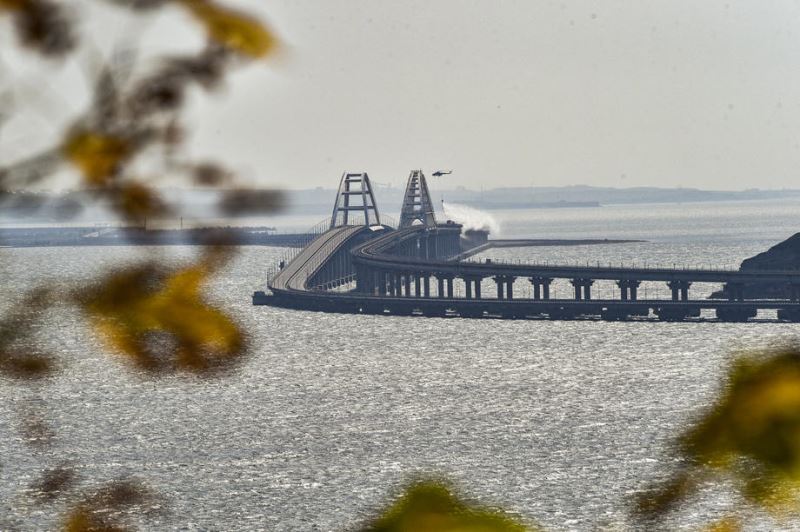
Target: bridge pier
469 281
417 285
735 291
628 289
583 288
407 282
736 314
445 285
541 287
680 290
426 285
387 283
505 286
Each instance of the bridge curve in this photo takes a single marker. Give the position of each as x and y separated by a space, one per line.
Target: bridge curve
296 275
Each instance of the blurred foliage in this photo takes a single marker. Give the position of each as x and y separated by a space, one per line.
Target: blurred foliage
104 510
431 506
728 524
232 29
152 314
249 201
132 306
20 357
41 25
751 435
99 157
53 483
147 311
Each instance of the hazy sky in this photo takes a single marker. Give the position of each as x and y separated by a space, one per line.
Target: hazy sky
654 93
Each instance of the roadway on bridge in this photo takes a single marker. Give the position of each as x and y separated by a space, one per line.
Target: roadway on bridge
295 275
373 254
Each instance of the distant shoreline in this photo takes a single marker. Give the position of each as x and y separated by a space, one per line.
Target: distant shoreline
27 237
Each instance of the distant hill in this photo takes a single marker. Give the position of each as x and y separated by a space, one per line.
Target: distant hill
783 256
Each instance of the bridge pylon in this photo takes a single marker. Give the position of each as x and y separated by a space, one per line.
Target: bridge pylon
355 195
417 204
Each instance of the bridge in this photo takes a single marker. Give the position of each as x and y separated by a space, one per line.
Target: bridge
368 267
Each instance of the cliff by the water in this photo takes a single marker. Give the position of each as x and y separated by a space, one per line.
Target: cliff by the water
783 256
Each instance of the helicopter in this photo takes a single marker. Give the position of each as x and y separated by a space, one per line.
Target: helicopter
440 173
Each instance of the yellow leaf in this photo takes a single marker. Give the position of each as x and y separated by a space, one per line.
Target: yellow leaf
430 506
728 524
751 435
232 29
136 201
128 307
96 155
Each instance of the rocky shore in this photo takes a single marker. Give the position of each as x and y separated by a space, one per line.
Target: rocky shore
783 256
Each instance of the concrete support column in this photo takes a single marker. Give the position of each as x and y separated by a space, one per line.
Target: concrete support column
623 290
583 288
505 286
450 287
426 284
544 283
441 286
417 285
578 292
628 289
537 290
469 282
680 290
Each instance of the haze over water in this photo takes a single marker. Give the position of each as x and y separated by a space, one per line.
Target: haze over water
560 422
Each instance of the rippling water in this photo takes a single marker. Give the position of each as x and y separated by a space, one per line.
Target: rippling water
559 422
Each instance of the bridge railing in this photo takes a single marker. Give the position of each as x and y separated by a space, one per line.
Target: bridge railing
725 268
290 254
335 283
317 229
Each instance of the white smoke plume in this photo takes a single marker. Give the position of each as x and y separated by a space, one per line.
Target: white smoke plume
471 218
